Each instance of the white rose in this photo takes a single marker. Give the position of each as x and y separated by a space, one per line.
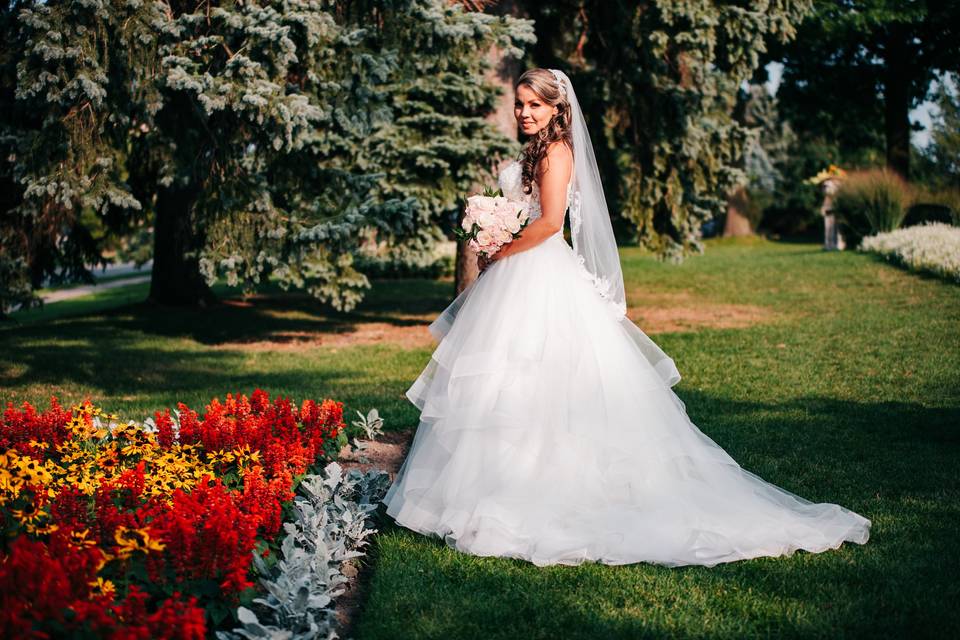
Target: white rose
488 220
481 203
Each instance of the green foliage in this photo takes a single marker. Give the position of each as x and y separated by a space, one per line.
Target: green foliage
439 143
276 133
870 202
944 149
857 67
661 82
413 258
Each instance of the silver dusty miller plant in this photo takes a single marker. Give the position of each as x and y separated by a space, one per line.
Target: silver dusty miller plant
331 526
372 426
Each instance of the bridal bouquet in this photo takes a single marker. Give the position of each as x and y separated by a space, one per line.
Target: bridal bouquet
490 221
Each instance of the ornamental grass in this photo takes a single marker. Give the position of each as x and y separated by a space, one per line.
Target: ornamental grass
870 202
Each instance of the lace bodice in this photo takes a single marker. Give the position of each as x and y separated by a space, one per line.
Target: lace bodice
511 183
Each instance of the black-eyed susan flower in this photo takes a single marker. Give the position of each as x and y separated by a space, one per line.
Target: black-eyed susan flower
28 514
81 538
104 559
101 587
130 541
41 529
32 471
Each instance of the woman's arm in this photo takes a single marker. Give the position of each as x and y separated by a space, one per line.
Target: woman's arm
553 199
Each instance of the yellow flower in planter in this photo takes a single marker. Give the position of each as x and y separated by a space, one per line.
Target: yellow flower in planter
133 540
106 557
831 172
9 483
108 463
140 443
36 444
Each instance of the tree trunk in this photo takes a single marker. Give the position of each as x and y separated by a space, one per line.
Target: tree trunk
896 103
176 279
736 223
503 72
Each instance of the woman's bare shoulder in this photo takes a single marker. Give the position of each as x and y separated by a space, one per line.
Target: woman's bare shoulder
558 156
559 147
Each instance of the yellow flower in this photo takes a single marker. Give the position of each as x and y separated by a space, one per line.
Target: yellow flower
832 171
28 515
31 471
80 538
132 540
244 455
101 587
216 457
38 530
108 462
9 483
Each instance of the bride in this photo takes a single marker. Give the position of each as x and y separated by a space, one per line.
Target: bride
549 430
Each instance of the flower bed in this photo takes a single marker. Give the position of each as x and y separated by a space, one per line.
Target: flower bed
122 530
934 248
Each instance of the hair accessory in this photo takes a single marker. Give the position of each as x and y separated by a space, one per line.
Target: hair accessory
560 83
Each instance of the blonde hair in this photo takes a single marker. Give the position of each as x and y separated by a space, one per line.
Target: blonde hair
543 83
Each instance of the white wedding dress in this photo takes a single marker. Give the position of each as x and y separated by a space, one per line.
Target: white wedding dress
549 432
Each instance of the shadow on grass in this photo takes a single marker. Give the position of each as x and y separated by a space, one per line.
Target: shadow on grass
922 274
893 462
143 357
270 315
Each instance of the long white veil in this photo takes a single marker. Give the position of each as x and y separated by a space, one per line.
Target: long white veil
590 228
592 234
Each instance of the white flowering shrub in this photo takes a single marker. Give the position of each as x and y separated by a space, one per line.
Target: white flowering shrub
933 248
332 523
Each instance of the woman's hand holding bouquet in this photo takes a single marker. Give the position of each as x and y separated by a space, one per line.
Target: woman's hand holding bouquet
490 221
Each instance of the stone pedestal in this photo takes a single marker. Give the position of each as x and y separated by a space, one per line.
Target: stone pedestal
832 238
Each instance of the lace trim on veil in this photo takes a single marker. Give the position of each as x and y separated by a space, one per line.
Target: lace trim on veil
601 284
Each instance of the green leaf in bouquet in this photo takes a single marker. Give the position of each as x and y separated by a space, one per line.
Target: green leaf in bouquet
466 235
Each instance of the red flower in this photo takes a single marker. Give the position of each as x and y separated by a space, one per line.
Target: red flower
208 533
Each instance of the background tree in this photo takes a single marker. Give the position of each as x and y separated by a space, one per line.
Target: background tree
944 149
857 68
660 82
259 136
441 143
765 157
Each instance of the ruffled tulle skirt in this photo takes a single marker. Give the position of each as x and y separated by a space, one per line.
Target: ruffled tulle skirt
549 431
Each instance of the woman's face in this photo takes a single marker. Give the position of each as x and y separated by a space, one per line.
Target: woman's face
531 112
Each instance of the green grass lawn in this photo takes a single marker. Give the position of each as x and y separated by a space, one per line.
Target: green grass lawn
848 393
